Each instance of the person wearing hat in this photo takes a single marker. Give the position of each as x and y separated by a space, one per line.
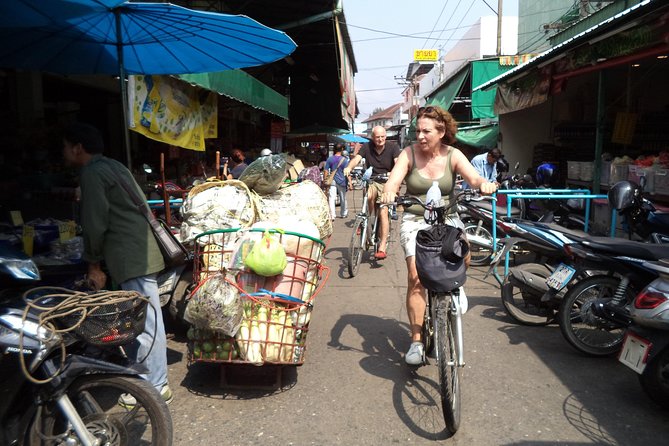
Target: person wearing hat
265 152
486 165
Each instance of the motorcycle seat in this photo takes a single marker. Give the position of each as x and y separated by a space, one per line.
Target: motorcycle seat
629 248
501 210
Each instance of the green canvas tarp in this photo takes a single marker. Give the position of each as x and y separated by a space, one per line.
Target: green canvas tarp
242 87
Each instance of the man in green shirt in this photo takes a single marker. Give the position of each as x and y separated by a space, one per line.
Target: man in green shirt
115 232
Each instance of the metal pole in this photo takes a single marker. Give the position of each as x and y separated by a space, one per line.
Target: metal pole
599 132
499 27
124 88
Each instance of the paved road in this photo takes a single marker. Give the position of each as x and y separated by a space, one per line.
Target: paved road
521 385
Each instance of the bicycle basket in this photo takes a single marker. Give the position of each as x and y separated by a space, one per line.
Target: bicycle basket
110 324
440 253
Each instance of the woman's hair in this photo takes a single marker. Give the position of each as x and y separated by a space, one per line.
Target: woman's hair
88 136
443 121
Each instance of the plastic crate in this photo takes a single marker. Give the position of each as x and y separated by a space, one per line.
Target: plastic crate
661 182
618 173
634 174
587 170
574 170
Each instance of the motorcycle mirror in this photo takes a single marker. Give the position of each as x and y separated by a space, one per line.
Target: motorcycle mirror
147 168
642 182
517 165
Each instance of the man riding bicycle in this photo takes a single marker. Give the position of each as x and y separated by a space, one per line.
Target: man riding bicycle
381 156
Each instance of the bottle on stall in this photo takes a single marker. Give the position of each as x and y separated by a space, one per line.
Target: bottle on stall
433 197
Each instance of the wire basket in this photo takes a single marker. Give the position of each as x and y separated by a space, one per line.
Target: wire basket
111 324
276 310
109 318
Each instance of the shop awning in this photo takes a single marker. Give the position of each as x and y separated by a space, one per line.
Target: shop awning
616 23
483 101
240 86
444 95
480 136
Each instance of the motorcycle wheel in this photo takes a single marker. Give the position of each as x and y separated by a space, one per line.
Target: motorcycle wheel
655 379
583 330
179 299
481 256
523 304
96 400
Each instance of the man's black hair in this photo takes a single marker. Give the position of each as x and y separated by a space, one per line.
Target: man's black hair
85 134
495 153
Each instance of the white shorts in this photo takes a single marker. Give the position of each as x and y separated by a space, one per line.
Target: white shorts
412 223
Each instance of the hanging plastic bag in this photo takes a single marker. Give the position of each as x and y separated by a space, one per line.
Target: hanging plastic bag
215 305
267 257
265 175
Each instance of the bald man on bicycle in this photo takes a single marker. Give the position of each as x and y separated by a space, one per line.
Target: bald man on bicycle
381 155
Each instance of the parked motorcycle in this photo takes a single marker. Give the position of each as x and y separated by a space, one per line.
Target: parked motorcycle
61 383
645 348
525 296
621 274
640 218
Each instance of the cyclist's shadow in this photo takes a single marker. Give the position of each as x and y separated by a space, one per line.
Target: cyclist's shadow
416 396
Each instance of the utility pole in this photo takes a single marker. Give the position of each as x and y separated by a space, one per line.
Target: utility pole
499 27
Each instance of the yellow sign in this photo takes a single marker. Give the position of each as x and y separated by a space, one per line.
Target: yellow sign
425 55
67 230
169 110
28 237
16 217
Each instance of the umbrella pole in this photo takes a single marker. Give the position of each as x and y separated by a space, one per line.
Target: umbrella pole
124 89
166 197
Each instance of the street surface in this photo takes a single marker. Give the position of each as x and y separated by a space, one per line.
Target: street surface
521 385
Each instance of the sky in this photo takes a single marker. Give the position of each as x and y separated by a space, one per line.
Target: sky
384 34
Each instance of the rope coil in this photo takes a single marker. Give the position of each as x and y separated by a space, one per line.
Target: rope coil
61 310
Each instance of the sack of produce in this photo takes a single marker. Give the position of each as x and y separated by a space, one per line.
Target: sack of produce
299 201
217 205
264 175
215 305
267 257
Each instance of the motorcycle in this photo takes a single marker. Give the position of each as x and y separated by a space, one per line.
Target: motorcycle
62 383
640 218
645 348
478 217
617 273
525 295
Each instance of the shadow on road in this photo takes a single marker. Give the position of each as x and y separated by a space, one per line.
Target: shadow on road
415 395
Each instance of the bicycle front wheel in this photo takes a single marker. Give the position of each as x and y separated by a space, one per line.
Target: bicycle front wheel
357 246
449 372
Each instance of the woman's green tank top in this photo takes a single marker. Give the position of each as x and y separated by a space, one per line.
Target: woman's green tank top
417 185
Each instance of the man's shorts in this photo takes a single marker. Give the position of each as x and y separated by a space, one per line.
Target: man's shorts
379 189
412 223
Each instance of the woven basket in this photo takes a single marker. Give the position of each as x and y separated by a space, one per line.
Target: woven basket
304 201
232 206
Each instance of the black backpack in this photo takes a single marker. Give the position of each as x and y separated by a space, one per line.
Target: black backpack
440 254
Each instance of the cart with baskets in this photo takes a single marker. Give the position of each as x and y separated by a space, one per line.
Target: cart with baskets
263 320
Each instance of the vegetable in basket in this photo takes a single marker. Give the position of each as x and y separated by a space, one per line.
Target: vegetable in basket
267 257
215 305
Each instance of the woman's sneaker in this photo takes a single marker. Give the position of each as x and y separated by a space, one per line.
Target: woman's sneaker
415 354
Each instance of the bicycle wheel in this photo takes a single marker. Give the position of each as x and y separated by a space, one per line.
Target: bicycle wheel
357 245
449 372
523 302
96 400
583 330
481 255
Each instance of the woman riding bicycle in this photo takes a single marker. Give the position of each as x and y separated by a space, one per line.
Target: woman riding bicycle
430 159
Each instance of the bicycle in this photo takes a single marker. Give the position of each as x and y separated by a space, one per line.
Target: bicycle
362 239
441 331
